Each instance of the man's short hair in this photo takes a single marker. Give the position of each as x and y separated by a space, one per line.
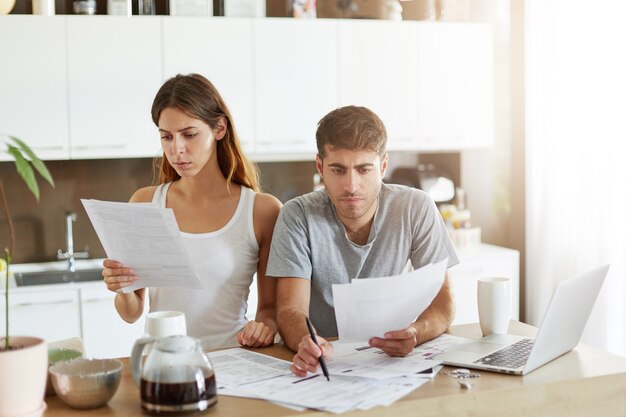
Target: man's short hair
353 128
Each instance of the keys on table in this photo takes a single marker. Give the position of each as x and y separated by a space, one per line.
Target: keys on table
464 377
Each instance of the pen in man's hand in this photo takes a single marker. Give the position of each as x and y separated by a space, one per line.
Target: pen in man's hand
321 359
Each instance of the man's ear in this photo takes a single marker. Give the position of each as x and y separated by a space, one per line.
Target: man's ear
384 165
319 165
220 129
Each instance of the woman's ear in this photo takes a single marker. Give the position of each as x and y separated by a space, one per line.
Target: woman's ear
220 129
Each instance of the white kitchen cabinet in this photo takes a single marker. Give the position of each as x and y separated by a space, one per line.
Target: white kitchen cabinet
199 45
481 262
82 87
33 84
61 311
51 315
456 86
378 69
105 334
295 82
114 72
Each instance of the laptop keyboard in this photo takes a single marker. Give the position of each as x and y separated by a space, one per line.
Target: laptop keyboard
512 356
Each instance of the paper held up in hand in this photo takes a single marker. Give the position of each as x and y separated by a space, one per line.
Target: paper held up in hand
370 307
145 238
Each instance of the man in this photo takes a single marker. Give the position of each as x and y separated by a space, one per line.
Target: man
357 227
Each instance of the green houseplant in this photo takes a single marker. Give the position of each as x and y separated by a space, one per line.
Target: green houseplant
23 360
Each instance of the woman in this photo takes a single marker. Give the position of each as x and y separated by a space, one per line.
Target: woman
225 223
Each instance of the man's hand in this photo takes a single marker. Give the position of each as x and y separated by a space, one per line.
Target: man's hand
307 357
397 343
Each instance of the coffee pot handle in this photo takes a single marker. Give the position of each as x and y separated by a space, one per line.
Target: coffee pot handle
135 358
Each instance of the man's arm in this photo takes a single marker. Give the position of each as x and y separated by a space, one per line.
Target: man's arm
292 303
292 307
431 323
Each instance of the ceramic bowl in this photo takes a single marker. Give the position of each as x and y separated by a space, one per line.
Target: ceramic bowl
86 383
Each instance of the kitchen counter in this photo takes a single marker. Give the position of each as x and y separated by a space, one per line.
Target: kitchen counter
584 382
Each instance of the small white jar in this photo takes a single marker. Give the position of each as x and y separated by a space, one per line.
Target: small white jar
43 7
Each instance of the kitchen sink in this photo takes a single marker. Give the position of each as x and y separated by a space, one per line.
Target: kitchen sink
56 277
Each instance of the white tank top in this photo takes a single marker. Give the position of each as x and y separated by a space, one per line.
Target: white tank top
226 261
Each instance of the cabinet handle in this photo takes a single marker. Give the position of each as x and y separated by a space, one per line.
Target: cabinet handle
88 147
40 148
43 304
98 300
47 148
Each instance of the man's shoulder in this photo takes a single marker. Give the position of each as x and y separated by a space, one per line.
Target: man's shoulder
306 202
395 192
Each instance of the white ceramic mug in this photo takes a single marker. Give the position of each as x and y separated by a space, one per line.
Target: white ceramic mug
494 305
43 7
166 323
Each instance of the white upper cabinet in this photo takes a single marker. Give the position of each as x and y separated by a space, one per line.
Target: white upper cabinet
295 82
455 86
114 72
33 83
220 50
83 86
378 69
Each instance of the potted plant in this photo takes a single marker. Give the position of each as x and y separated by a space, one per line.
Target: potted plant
23 360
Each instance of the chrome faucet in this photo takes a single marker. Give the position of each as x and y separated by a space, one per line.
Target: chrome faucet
69 254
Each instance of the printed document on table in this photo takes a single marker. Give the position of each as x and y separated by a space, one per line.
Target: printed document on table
367 308
236 366
340 394
357 359
145 238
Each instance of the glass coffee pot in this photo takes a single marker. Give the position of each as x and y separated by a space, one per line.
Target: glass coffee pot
176 377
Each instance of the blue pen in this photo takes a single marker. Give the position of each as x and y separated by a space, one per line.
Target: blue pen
321 359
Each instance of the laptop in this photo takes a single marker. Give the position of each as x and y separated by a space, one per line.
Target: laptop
559 332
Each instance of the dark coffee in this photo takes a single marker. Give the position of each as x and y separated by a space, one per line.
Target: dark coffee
166 398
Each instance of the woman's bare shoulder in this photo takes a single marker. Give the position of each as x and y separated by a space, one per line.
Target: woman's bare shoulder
267 203
143 195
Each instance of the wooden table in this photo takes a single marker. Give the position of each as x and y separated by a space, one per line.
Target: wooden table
584 382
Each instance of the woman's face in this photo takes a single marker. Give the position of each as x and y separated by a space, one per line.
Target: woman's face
188 143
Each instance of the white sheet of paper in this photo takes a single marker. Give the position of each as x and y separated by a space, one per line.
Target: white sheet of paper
338 395
443 343
370 307
356 359
235 367
145 238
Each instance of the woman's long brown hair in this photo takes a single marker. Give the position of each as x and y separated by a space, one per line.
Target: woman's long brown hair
197 97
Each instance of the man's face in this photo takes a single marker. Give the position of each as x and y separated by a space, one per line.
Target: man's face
352 179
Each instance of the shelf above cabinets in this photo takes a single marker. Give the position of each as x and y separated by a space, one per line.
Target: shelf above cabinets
81 87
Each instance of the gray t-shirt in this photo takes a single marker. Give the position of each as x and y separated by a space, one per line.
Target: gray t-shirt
310 242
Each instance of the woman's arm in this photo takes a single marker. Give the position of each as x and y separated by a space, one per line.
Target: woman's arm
261 332
128 305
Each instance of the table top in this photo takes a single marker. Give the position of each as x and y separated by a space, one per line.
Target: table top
586 381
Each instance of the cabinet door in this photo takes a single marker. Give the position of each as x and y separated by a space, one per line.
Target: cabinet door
296 82
33 84
486 261
105 334
51 315
114 72
199 45
378 70
456 86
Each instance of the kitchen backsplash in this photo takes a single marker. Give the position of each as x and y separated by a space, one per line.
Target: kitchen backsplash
40 228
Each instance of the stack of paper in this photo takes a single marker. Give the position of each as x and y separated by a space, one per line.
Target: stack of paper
361 377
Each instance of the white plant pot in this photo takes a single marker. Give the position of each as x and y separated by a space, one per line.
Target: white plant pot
23 377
